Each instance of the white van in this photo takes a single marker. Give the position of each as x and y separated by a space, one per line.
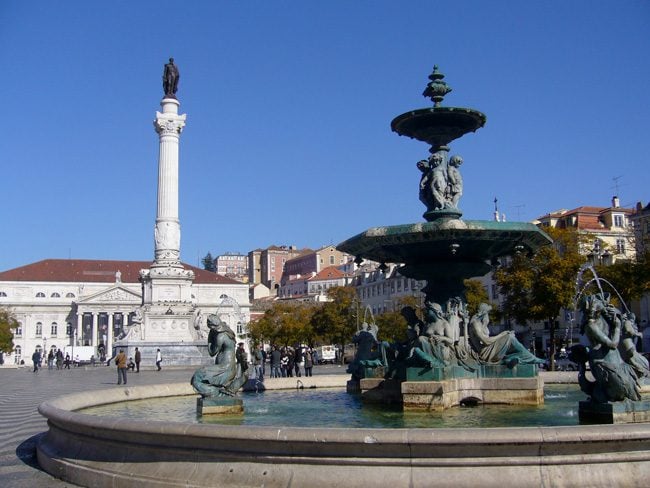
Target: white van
326 354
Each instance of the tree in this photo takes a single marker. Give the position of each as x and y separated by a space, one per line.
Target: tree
392 326
631 279
7 323
475 294
538 287
208 263
284 323
336 321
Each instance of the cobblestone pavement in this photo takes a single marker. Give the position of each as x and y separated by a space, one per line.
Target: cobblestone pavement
21 391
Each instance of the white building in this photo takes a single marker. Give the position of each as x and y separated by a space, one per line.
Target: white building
61 302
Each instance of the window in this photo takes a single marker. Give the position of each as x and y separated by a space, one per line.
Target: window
620 246
53 329
40 294
240 328
332 260
618 220
19 353
39 329
69 295
68 329
19 329
55 295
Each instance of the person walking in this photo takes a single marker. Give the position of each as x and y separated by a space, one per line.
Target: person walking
138 358
67 361
276 357
50 360
36 359
121 363
309 361
298 359
258 360
158 359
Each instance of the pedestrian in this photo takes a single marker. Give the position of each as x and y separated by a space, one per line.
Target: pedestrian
309 361
36 358
276 357
67 361
158 359
59 359
120 362
138 358
284 362
314 356
264 357
241 357
50 360
291 355
258 359
298 359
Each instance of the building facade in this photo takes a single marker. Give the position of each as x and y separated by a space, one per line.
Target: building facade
232 265
66 302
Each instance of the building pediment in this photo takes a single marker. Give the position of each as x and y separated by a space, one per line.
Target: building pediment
115 294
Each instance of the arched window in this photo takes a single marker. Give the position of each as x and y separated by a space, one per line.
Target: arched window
40 294
39 329
55 295
54 328
69 295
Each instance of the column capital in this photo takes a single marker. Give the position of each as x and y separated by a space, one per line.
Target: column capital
169 123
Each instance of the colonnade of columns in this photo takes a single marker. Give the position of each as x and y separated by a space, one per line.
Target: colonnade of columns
97 337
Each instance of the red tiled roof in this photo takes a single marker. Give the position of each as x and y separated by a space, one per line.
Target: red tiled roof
90 270
329 273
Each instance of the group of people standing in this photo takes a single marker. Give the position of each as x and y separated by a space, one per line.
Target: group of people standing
287 361
54 359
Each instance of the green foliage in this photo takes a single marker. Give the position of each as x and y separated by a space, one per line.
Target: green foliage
336 321
284 324
475 294
392 326
631 279
537 287
7 322
208 263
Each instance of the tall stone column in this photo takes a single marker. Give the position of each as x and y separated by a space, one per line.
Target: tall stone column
167 232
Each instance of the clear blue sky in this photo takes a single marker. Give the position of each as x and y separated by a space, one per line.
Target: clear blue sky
289 105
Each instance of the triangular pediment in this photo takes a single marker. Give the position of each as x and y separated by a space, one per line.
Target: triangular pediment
114 294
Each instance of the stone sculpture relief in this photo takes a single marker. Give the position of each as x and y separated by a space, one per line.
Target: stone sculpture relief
441 184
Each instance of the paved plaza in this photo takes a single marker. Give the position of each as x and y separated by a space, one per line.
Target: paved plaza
21 391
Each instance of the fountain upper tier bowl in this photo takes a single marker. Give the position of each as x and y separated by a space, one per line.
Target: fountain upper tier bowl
445 242
438 126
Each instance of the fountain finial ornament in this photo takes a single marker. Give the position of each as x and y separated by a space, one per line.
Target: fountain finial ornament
170 79
436 89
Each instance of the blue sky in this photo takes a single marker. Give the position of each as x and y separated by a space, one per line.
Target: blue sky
289 105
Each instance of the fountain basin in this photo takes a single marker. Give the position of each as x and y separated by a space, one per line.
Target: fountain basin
102 451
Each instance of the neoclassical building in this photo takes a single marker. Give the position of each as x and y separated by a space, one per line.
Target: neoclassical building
60 302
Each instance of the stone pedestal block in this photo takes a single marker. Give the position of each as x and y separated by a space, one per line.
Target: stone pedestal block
625 412
219 406
440 395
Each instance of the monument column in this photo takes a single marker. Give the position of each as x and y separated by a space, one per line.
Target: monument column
167 232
